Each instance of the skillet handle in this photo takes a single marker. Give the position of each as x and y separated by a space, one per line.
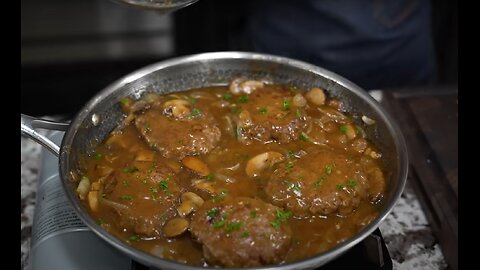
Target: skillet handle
29 123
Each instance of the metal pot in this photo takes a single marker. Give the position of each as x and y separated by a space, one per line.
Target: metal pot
102 114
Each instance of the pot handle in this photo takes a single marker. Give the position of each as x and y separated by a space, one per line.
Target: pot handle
29 123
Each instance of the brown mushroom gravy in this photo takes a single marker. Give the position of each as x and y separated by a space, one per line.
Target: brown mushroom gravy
245 175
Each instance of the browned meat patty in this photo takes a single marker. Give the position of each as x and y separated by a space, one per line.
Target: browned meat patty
242 232
325 182
141 197
267 114
178 130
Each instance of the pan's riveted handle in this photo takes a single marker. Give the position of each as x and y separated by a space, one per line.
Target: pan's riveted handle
29 124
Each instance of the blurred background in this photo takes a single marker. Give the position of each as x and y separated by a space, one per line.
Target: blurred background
72 49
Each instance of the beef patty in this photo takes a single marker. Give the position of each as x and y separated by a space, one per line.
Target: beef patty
177 128
325 182
242 232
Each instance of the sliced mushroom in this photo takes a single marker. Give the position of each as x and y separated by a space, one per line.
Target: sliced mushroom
245 118
204 185
179 108
174 165
145 155
316 96
190 196
196 165
185 208
175 227
239 86
299 100
262 161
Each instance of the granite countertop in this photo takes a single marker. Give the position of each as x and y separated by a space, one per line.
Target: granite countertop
406 231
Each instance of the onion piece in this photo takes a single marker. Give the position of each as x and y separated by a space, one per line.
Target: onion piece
117 206
83 187
333 114
367 120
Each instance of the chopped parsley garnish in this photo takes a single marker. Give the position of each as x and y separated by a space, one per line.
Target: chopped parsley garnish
294 187
192 100
98 156
304 137
100 221
243 99
289 166
125 183
328 170
153 190
351 183
320 181
180 142
343 129
263 110
281 216
340 187
234 226
212 213
134 238
220 196
210 177
227 96
286 105
126 197
236 109
195 113
253 214
298 114
130 170
245 234
290 154
334 165
163 184
219 224
146 126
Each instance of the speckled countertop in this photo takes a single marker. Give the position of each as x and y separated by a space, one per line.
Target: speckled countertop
406 230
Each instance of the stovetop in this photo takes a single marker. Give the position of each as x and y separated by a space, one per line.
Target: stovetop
69 247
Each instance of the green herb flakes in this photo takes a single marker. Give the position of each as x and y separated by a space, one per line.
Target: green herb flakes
126 197
352 183
130 170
